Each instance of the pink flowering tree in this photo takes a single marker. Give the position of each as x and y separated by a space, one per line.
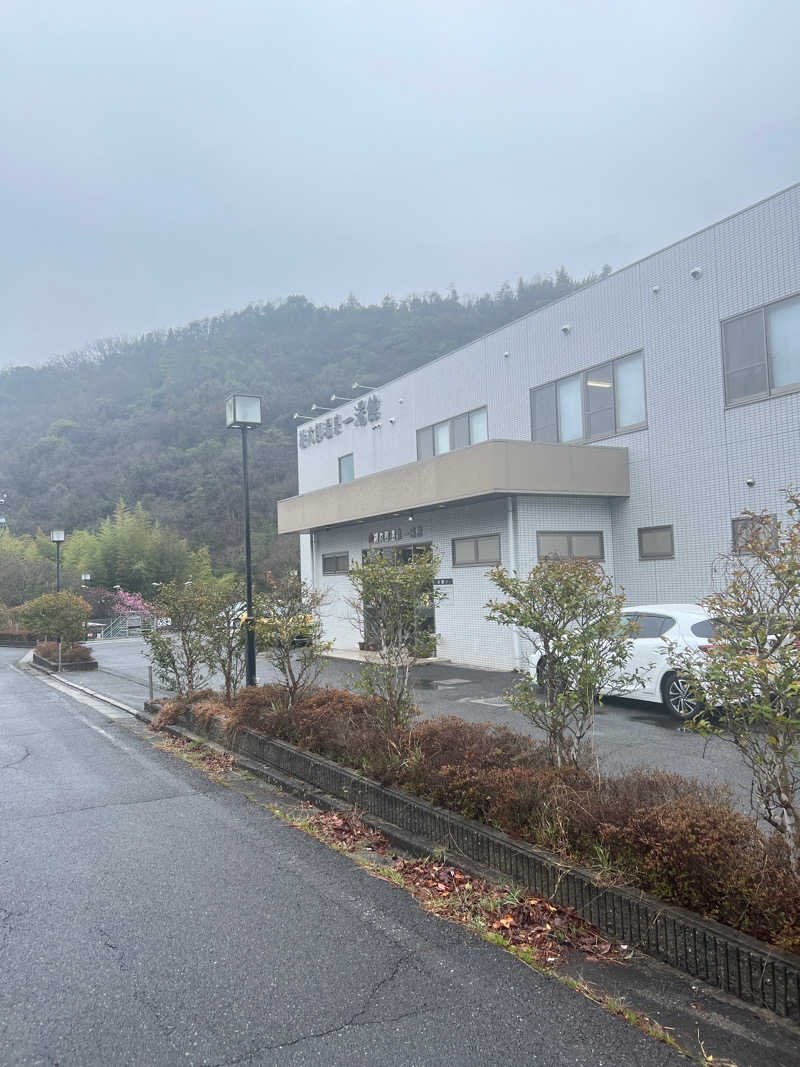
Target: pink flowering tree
126 603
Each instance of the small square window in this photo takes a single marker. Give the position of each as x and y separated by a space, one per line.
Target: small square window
656 542
336 563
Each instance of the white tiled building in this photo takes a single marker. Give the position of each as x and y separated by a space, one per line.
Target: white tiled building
631 421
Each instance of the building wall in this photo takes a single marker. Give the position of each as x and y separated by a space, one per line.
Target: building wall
464 634
689 466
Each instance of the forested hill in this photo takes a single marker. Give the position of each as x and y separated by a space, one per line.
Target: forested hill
143 420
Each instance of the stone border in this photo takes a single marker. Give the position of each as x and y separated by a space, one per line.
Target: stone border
716 954
79 665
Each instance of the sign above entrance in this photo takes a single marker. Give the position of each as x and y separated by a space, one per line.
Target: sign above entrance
365 411
385 537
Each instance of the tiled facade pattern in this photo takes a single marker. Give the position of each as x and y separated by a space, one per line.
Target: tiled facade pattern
688 468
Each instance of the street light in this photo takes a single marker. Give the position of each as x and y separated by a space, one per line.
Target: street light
244 413
85 578
57 537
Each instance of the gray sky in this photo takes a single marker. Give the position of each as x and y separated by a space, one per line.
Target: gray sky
165 160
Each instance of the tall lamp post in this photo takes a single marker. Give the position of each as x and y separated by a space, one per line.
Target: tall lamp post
244 413
57 537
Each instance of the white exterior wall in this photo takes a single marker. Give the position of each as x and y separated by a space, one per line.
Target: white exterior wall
688 468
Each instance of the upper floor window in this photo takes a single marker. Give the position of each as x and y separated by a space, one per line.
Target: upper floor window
468 429
346 468
761 351
600 402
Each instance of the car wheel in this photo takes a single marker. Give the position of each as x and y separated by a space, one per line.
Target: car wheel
678 696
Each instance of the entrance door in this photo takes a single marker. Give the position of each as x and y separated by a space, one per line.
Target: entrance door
425 621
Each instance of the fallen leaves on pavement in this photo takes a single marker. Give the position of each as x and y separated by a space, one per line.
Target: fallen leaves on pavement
544 931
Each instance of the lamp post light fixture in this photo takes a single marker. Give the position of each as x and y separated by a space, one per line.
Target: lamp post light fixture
85 578
3 524
244 413
57 537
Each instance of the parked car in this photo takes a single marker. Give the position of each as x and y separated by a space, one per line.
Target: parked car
652 626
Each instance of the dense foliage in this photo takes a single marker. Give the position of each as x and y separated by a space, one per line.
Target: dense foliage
129 550
57 615
749 676
143 420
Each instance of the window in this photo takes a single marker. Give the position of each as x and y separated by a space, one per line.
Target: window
600 402
346 470
478 426
476 551
644 626
544 419
761 351
471 428
707 628
743 528
579 544
656 542
570 416
441 438
338 563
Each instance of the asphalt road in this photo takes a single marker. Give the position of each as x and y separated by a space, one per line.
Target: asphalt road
151 916
628 733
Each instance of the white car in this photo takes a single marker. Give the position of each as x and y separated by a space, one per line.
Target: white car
689 626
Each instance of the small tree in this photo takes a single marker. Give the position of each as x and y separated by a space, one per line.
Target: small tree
222 632
61 616
569 613
290 634
392 599
748 678
179 657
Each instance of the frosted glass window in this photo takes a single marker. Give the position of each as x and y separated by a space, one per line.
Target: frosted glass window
425 443
489 549
586 545
656 542
598 392
441 438
461 431
346 469
570 411
478 426
551 545
783 342
630 402
578 544
544 419
476 551
744 357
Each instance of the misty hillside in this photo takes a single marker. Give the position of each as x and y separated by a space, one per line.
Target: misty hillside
143 420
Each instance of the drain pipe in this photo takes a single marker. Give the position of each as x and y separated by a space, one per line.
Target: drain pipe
513 566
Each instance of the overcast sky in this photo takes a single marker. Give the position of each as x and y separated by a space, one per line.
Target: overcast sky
165 160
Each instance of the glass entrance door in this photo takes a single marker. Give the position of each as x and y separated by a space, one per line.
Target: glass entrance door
425 616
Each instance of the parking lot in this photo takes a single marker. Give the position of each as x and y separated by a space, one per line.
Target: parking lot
628 733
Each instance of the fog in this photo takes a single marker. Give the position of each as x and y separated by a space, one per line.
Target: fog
165 161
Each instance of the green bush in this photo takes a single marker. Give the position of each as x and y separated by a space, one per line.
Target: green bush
57 615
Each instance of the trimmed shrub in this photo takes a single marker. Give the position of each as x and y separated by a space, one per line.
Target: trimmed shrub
672 836
70 653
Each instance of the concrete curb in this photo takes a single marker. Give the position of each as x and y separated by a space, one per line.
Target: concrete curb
717 955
